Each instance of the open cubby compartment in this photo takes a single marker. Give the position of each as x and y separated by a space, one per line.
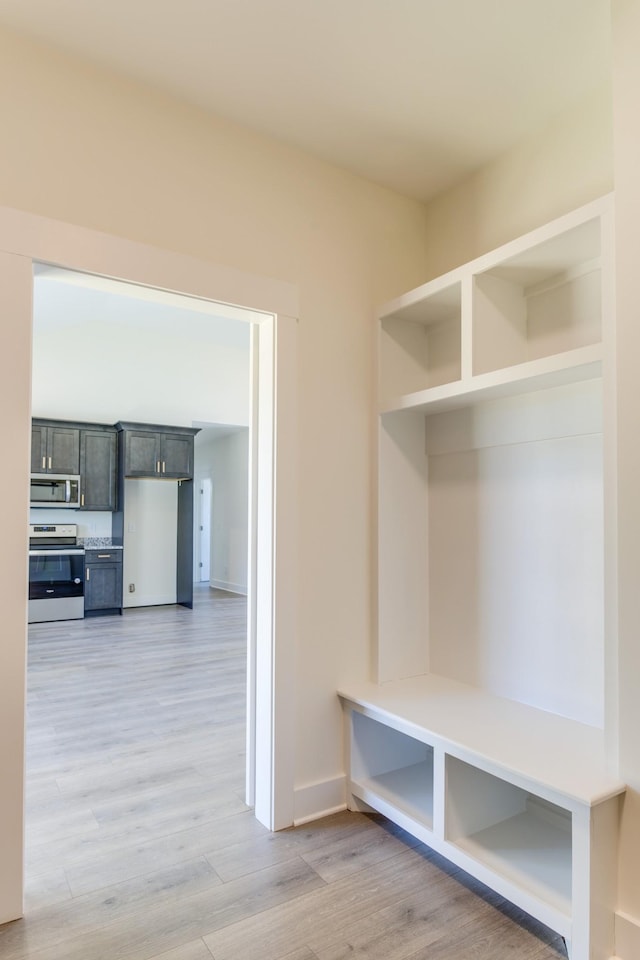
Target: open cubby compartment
539 302
515 549
520 837
390 770
420 341
491 548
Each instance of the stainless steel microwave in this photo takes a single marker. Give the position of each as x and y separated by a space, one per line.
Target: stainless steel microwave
55 490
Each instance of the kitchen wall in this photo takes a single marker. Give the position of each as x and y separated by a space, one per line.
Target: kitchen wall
225 460
103 357
149 557
90 348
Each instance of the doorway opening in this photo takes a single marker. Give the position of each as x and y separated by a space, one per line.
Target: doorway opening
146 357
29 239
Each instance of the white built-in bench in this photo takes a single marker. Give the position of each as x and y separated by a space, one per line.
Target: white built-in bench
518 797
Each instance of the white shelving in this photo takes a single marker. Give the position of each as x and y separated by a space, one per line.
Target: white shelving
494 595
421 342
542 301
530 852
514 833
573 366
392 771
516 796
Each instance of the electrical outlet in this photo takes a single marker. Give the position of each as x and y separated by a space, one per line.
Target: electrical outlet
132 588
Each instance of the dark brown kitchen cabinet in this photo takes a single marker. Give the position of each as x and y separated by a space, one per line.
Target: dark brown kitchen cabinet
98 468
163 453
102 581
76 447
55 448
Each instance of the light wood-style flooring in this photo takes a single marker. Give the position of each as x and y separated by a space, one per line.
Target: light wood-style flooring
140 846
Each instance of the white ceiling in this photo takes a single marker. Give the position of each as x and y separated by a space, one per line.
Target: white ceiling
81 316
64 299
413 94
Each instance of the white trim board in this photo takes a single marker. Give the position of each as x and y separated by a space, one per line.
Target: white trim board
27 239
238 588
316 800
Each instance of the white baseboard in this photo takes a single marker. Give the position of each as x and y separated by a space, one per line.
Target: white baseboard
230 587
627 937
148 599
318 800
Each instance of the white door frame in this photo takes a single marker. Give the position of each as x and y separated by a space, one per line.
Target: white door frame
25 238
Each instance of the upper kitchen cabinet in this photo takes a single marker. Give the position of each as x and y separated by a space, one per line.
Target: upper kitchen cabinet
55 447
98 468
161 452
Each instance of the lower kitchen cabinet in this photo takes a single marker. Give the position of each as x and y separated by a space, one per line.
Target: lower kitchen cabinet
102 582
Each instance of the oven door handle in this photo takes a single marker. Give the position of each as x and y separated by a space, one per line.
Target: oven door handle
56 553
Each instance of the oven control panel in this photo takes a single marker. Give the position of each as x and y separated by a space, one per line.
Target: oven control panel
53 529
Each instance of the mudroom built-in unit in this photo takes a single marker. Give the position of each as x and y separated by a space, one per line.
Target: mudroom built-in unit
486 727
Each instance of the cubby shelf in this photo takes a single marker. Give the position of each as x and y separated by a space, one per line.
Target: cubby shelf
408 790
495 528
392 772
531 853
573 366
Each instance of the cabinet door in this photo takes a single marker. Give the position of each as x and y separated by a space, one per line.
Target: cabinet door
176 456
63 450
38 449
98 470
102 586
142 454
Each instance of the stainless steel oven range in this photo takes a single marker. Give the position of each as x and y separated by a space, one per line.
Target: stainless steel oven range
56 572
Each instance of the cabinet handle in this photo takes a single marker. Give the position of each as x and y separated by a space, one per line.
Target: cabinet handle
158 466
88 573
44 463
104 556
163 466
49 463
82 500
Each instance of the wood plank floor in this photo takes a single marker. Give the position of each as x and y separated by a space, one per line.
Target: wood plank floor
140 846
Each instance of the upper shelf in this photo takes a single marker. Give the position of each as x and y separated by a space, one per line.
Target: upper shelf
525 317
583 363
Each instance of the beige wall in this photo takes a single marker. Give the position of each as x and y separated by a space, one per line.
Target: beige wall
626 78
558 170
103 153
